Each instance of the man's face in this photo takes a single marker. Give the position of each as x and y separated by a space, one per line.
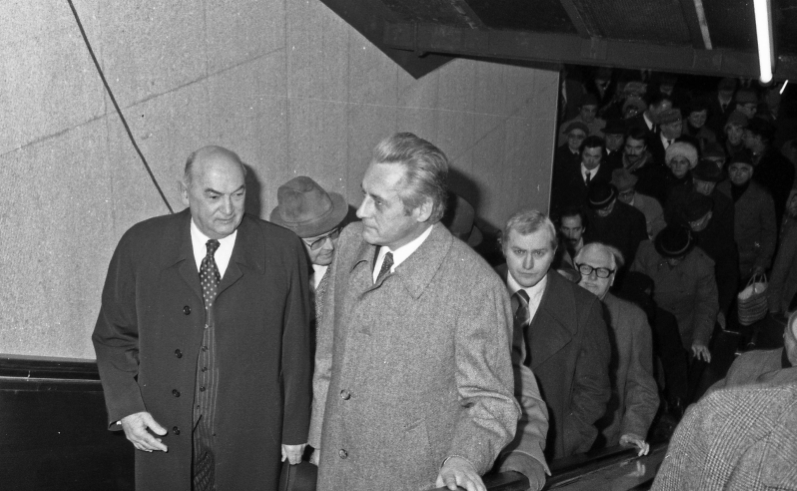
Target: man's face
679 166
528 257
385 222
591 157
701 223
572 229
734 133
574 139
588 112
321 248
672 130
627 195
596 258
740 173
607 210
659 108
698 118
216 194
634 149
614 141
751 140
704 187
748 109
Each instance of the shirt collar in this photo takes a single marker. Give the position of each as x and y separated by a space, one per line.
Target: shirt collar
223 253
405 251
533 291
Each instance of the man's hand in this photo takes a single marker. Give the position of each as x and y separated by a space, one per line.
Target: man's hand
700 351
293 453
135 426
632 440
459 472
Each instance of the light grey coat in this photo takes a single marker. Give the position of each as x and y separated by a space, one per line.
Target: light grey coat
412 369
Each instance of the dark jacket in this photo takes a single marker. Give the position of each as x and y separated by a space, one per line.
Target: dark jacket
624 228
754 228
149 333
568 351
776 174
568 188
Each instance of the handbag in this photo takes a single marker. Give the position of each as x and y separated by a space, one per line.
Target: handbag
752 301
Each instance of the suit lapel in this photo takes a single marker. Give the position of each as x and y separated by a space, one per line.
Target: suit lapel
553 326
244 255
183 256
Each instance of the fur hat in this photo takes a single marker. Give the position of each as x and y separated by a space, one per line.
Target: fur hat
681 149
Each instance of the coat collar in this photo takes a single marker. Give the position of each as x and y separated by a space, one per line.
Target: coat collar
417 271
556 320
244 254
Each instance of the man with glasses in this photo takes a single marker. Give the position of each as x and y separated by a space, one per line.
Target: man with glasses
635 397
316 216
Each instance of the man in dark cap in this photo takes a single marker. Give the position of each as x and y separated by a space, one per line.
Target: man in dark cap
684 285
670 129
613 222
588 116
721 104
569 155
315 216
772 169
569 185
625 182
717 242
614 134
747 102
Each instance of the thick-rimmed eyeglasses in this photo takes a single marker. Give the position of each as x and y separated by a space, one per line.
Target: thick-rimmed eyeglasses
318 241
587 270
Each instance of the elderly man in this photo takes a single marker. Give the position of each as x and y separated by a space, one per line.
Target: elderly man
202 340
314 215
613 222
635 397
413 382
564 335
625 182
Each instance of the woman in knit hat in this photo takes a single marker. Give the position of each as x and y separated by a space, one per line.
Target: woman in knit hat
681 158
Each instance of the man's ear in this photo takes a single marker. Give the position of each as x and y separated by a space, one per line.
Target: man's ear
424 211
183 191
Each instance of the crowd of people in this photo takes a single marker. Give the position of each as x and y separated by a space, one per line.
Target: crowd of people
395 355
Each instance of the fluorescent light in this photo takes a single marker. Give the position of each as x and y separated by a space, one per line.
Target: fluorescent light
784 87
763 29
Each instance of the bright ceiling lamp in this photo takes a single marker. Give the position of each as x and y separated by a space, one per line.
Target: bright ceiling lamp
763 29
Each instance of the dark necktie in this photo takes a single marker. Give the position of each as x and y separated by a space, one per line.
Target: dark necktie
387 263
522 313
209 275
587 179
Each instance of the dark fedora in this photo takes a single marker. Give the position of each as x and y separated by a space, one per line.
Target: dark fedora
707 170
601 194
304 207
697 206
674 241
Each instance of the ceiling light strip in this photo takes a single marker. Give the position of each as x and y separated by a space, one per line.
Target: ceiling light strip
701 19
763 30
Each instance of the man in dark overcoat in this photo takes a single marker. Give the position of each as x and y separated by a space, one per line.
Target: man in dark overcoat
413 383
202 339
565 338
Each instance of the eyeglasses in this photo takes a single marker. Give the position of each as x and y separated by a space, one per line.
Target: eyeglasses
318 241
586 270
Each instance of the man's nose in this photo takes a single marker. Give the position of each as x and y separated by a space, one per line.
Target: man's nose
361 211
227 206
528 262
328 244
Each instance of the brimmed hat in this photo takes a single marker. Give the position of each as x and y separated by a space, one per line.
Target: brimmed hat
741 157
622 179
746 96
707 170
697 206
614 126
601 194
672 115
304 207
577 125
714 149
674 241
681 149
738 118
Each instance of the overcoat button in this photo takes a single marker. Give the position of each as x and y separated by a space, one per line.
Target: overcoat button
178 353
186 310
176 430
343 454
345 395
201 389
176 393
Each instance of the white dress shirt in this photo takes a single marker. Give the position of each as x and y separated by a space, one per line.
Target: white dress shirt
223 253
585 171
400 254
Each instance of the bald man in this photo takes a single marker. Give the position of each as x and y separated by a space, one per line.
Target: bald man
202 339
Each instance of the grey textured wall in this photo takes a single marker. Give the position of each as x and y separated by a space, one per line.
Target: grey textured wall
285 83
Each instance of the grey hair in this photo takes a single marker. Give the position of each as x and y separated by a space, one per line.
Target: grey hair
617 257
426 171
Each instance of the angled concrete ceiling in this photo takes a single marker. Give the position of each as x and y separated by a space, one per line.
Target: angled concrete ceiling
706 37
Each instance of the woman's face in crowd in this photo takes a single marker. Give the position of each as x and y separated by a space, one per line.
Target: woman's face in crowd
679 166
698 118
